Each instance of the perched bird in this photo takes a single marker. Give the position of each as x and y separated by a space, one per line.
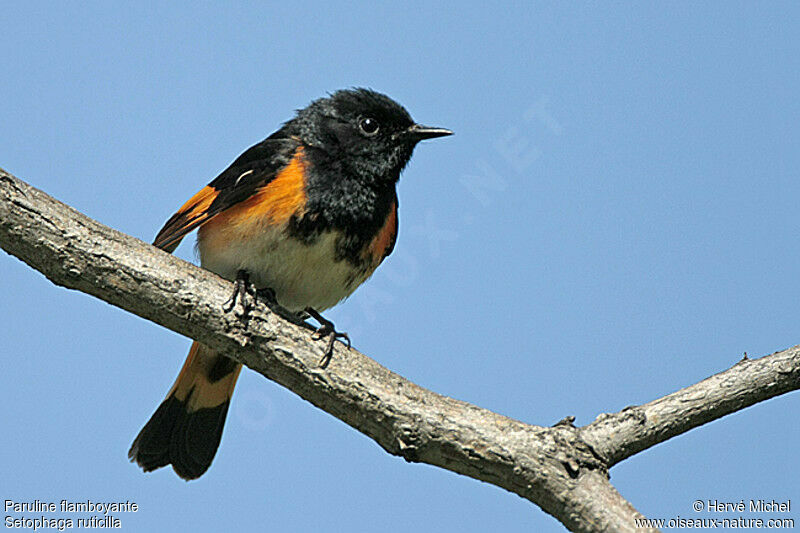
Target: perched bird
307 214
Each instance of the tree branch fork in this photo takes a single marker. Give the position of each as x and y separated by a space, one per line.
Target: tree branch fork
563 469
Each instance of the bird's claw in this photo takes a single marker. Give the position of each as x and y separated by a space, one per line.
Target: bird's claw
243 291
327 329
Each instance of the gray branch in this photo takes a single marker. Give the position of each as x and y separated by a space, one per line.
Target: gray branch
617 436
562 469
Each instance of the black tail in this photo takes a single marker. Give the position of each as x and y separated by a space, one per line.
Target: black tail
187 441
186 429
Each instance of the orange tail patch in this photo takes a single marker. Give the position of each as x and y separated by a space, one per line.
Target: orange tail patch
186 429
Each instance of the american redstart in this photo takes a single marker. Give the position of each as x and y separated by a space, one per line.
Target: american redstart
306 215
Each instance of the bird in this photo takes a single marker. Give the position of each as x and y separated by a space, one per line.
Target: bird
305 217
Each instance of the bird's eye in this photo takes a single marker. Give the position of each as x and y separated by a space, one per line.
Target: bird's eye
369 125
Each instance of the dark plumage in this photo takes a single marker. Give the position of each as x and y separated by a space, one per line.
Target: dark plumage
309 213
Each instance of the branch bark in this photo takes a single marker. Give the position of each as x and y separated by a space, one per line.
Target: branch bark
563 469
617 436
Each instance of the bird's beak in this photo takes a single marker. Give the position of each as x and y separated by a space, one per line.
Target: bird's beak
419 132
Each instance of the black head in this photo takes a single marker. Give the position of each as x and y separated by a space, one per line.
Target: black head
364 130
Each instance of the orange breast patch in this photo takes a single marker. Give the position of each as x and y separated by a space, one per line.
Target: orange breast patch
385 237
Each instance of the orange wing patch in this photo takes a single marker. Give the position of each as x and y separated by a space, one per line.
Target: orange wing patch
384 240
271 205
189 216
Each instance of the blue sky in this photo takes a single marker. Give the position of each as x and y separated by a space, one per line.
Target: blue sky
616 218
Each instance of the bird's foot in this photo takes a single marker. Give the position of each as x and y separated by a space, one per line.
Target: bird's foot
248 297
243 291
327 330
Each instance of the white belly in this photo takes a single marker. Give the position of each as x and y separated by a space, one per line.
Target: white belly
301 275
